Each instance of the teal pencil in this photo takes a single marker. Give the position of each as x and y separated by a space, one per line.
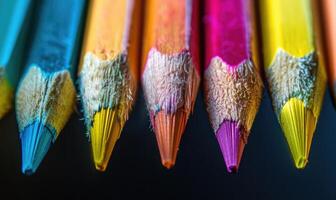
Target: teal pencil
46 93
14 19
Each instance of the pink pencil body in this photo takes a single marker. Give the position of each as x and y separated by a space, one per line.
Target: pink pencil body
226 32
233 87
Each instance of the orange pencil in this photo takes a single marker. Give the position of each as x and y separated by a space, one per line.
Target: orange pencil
170 72
329 17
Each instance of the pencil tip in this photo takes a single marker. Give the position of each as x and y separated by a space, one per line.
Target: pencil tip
35 140
301 162
298 124
105 132
168 129
229 136
233 169
168 164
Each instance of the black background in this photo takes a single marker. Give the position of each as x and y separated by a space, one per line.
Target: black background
135 172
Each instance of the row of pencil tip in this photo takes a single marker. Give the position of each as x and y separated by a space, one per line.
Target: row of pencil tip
105 47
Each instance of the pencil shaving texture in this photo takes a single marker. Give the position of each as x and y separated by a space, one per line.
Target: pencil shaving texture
106 84
291 77
170 82
232 94
46 98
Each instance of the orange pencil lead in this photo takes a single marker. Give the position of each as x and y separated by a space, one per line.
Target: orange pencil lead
168 129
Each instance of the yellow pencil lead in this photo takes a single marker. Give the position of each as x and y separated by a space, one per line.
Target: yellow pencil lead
298 124
105 132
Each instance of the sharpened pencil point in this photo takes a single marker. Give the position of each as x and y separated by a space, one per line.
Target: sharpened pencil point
105 132
168 129
168 164
298 124
229 137
35 140
301 163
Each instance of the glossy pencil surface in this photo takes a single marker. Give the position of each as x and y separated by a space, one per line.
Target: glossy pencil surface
109 72
233 86
294 71
46 94
170 73
14 19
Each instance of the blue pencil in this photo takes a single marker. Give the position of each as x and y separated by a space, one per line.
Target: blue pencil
14 20
46 93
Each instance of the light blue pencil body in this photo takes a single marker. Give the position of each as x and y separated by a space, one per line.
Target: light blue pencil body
46 93
14 21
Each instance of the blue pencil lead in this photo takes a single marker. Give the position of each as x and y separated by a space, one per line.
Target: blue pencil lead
35 140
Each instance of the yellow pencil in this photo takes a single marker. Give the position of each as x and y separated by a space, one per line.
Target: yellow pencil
109 72
293 69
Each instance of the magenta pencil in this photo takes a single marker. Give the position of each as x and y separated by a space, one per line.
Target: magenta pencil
232 82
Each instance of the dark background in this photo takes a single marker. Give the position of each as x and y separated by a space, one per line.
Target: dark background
135 172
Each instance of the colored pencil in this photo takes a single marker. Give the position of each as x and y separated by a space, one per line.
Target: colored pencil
46 93
14 21
329 19
294 71
232 83
170 72
109 72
